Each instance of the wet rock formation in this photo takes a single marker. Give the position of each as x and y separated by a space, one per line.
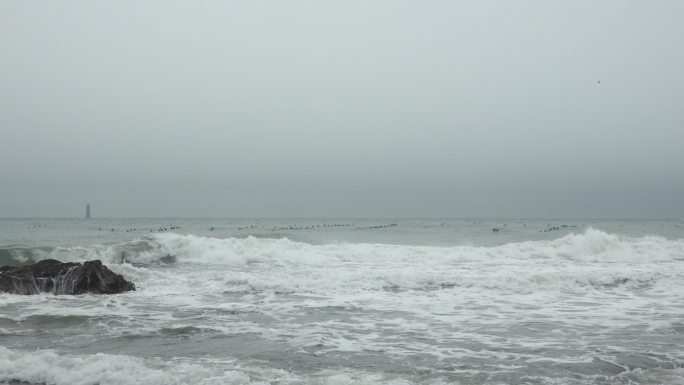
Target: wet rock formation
52 276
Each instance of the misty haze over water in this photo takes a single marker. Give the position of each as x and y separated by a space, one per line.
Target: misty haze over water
342 109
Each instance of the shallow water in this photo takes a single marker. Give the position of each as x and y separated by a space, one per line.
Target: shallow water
352 302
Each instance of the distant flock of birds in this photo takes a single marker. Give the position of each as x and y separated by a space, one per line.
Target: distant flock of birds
548 228
315 227
160 229
312 227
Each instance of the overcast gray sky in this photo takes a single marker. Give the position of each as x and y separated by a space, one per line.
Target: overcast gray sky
388 108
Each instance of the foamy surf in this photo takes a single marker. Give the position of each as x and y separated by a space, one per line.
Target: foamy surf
50 367
589 306
590 260
592 246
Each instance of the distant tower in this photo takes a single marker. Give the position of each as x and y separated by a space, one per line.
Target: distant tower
88 210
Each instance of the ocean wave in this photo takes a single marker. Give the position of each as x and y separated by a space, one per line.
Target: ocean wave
516 279
52 368
592 260
591 246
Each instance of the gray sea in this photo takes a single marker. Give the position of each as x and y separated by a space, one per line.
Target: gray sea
352 301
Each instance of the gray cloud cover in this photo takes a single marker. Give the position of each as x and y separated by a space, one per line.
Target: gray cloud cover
345 108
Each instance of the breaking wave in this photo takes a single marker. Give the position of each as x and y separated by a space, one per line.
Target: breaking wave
591 246
50 367
53 368
593 259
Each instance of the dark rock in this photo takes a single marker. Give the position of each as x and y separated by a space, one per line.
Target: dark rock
51 276
168 258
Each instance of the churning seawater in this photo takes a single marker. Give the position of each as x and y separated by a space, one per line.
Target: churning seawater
340 301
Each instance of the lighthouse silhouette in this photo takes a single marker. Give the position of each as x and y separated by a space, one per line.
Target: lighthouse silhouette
88 210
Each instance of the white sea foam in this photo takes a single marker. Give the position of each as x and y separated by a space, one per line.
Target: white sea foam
590 260
527 303
49 367
591 246
52 368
